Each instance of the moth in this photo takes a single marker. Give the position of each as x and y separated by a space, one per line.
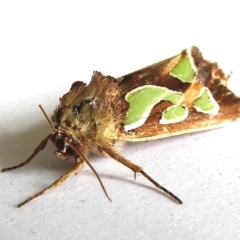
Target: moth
182 94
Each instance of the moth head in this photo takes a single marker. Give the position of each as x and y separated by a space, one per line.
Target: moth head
63 151
58 138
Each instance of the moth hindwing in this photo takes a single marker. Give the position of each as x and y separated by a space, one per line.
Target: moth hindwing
185 93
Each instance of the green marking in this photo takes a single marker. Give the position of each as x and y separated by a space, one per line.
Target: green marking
206 103
184 70
174 114
143 99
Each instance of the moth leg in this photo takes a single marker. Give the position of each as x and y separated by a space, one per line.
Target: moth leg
78 160
58 182
39 148
135 168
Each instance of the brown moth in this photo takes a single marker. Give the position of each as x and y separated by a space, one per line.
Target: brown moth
182 94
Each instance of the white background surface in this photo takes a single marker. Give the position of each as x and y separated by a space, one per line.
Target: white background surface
47 45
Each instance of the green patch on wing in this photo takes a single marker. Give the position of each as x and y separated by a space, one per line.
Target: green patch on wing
141 101
206 103
184 70
174 114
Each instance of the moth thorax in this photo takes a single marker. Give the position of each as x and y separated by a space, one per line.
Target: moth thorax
78 108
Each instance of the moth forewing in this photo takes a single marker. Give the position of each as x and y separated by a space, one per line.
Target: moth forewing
181 94
206 101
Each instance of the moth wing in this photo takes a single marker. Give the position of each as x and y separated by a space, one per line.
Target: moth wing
207 76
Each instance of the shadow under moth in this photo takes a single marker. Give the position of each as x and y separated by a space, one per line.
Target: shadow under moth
182 94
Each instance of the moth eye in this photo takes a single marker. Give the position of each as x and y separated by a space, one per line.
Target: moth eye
59 143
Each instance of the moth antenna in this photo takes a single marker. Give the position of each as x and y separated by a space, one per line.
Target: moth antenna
39 148
89 164
47 118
